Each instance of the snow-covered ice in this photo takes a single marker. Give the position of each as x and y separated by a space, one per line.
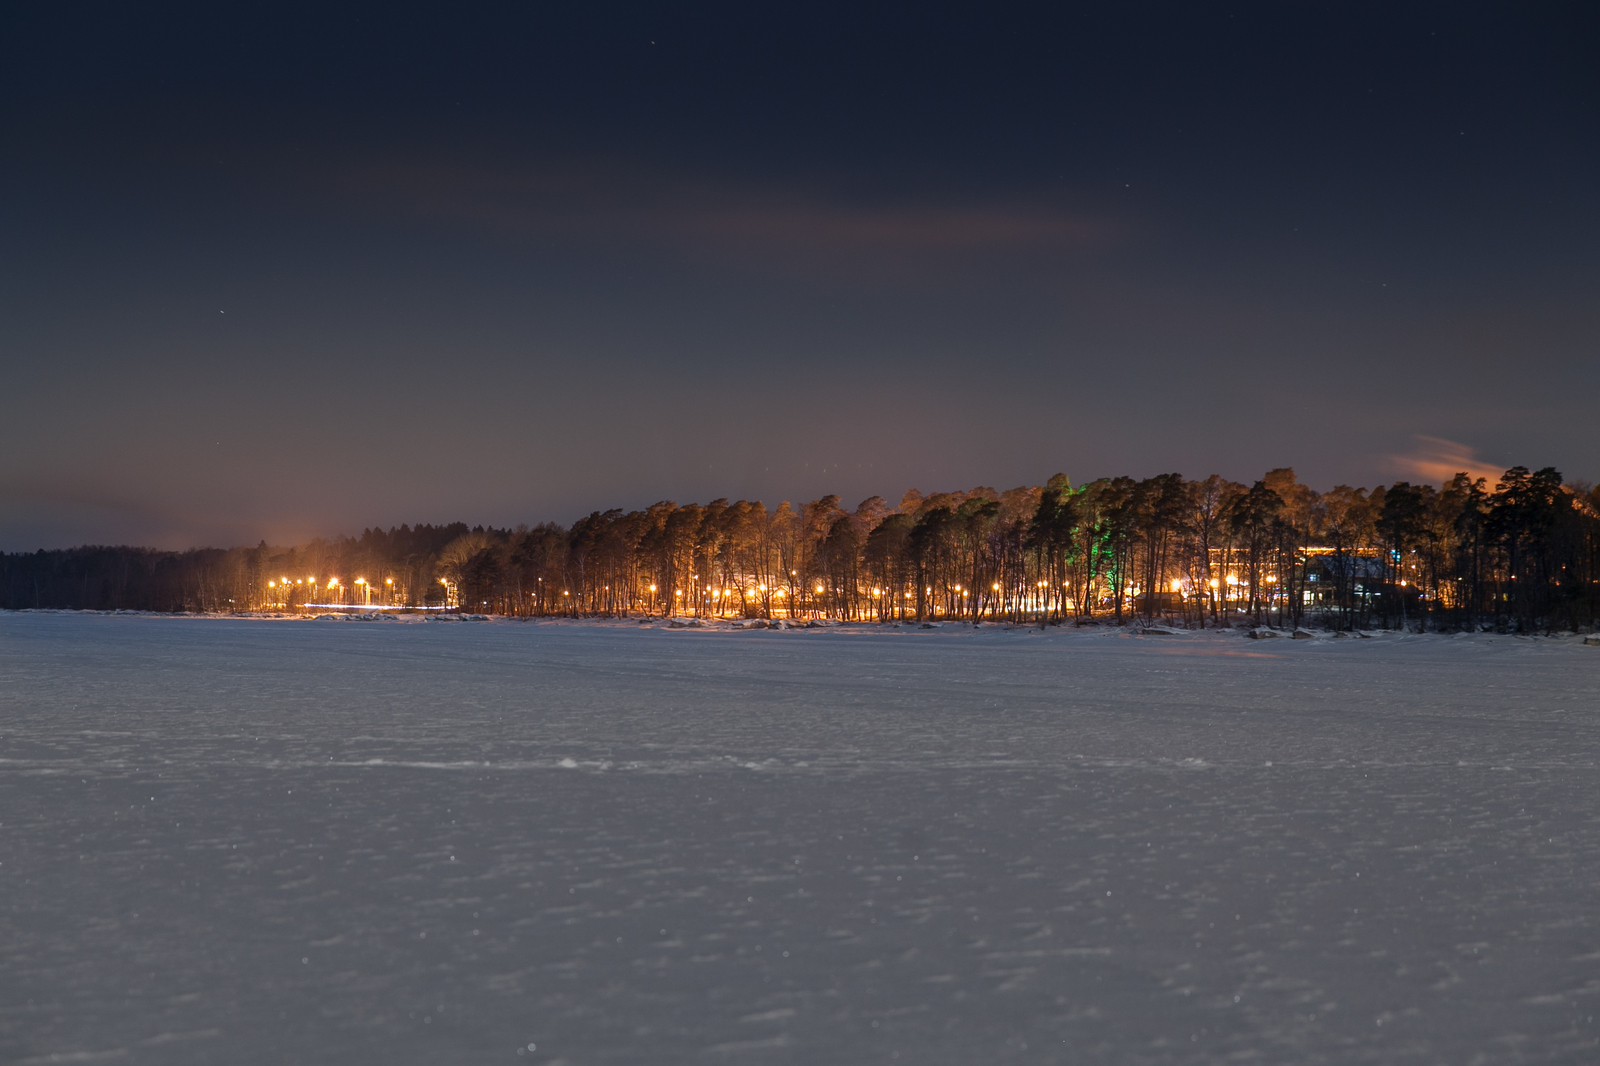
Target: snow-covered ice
264 841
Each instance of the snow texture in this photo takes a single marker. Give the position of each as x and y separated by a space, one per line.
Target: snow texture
260 841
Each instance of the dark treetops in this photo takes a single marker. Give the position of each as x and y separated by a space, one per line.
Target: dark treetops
1523 554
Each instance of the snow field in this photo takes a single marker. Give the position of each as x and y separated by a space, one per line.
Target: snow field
255 841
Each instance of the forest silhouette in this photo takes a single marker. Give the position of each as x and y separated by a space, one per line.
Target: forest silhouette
1522 554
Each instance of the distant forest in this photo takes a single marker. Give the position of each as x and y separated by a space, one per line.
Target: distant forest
1521 555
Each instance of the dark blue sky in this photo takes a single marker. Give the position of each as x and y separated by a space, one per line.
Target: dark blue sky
283 270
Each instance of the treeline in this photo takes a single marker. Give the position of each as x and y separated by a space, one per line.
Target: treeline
1523 554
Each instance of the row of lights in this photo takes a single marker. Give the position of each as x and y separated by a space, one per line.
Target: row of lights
333 582
1177 585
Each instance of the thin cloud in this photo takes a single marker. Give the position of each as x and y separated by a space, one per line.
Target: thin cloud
612 202
67 492
1435 461
821 226
38 512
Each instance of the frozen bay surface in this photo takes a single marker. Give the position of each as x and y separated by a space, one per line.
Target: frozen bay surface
267 841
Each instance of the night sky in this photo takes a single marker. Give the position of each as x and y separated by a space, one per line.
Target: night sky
275 271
